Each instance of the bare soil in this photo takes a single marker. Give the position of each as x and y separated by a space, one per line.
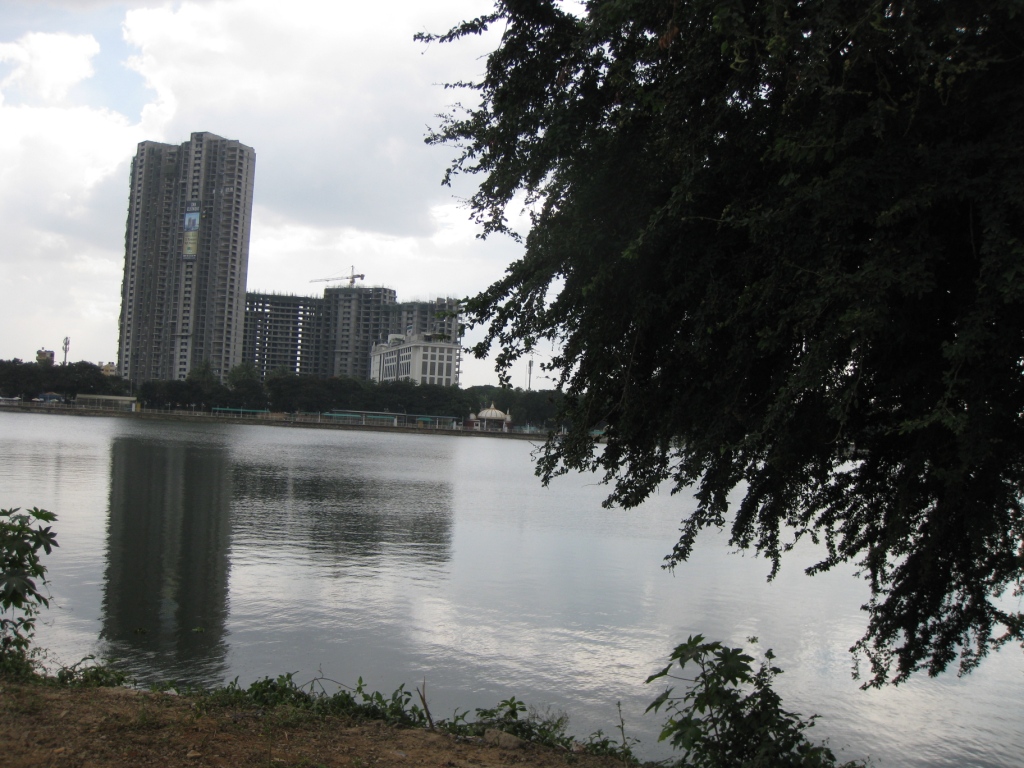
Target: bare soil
100 727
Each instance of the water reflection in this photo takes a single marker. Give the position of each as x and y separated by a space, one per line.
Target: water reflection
404 557
341 518
166 583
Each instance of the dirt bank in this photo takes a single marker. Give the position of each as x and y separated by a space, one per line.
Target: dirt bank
101 727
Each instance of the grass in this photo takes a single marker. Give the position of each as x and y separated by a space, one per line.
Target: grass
292 703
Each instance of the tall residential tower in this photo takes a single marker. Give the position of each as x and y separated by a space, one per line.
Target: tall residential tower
186 258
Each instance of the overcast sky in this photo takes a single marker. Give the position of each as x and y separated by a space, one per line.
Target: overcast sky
335 97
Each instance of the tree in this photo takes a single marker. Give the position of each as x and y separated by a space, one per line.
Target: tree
780 247
204 388
81 378
18 379
246 387
282 386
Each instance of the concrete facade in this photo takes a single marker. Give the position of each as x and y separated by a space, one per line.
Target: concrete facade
186 258
423 358
335 335
354 318
283 331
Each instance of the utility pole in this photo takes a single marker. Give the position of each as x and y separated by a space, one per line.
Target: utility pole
67 344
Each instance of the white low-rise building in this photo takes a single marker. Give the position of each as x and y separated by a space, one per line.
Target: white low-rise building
424 358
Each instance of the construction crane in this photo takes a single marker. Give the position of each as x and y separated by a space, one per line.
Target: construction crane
352 277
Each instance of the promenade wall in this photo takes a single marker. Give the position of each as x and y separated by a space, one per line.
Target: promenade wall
284 420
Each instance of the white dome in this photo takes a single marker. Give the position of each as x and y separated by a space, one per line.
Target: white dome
491 413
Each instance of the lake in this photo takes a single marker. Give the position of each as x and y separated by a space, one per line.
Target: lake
201 552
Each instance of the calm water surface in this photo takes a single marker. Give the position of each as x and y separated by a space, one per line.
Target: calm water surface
204 552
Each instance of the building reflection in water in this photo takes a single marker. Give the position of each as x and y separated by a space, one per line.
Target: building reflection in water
338 517
185 514
166 582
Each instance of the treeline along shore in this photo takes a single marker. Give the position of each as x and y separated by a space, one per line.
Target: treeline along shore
348 420
283 399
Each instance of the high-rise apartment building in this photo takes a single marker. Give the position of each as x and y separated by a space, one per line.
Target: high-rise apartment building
335 335
284 332
355 317
439 318
186 258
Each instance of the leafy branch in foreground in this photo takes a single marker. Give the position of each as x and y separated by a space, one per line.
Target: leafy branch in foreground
779 248
22 578
729 715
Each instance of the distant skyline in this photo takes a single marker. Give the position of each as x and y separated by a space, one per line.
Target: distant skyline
334 98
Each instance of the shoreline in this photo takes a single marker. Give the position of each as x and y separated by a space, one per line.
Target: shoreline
114 727
270 420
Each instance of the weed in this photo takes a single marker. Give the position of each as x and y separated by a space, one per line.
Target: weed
512 716
313 699
291 703
83 674
622 748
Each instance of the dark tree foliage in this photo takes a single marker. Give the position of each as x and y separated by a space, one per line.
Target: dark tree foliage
29 380
780 245
246 388
200 390
81 378
283 391
535 407
20 379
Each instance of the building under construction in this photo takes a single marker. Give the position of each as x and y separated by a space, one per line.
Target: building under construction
334 335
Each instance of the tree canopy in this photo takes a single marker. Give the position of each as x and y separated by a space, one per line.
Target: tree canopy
30 379
779 245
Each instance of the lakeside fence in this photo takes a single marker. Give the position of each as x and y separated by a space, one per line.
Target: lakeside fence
339 419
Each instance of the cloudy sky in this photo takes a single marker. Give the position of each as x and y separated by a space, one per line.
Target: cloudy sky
335 97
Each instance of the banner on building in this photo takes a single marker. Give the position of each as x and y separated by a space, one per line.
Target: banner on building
190 245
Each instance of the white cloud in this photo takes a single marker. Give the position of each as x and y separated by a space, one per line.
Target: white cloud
335 98
60 256
46 65
286 255
54 163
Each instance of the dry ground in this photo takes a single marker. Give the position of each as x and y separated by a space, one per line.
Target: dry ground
106 727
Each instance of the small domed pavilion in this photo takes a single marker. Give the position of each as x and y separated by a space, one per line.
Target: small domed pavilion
490 420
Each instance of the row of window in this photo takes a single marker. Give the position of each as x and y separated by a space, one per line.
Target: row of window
436 369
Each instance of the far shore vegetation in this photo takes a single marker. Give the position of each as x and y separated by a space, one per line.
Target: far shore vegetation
281 392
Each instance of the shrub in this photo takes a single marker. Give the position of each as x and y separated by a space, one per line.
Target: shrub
730 717
22 576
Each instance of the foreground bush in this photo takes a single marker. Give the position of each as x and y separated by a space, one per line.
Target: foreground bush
731 717
22 577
